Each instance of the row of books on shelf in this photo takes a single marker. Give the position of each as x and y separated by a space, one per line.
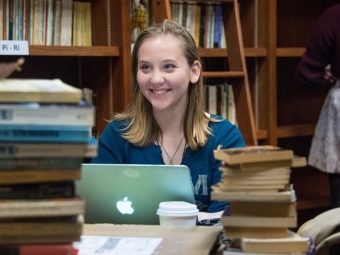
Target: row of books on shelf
44 137
46 22
203 21
255 180
219 99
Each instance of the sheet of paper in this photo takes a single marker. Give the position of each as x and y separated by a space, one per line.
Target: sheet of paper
114 245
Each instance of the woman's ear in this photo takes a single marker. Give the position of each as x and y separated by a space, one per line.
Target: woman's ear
195 71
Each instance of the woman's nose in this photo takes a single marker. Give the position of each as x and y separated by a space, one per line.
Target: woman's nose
157 77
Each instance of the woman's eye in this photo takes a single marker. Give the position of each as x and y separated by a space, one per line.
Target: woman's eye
169 66
145 67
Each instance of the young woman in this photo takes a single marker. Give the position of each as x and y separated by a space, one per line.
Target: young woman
165 122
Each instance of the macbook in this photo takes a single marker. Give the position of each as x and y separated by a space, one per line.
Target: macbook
130 194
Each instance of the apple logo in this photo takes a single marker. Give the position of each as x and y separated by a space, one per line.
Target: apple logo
124 206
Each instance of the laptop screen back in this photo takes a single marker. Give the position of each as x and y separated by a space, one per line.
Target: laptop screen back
130 194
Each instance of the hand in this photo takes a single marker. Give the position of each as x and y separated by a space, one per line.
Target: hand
328 76
205 215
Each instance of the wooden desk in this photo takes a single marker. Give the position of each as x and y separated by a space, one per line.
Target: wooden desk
197 240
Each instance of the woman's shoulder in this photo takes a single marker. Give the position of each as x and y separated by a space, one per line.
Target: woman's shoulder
218 121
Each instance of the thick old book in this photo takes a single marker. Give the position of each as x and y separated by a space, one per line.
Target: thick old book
48 190
34 176
254 232
39 249
39 239
44 133
41 207
251 186
238 251
51 163
265 166
273 173
263 209
42 225
271 196
46 150
294 243
251 154
251 221
81 114
38 90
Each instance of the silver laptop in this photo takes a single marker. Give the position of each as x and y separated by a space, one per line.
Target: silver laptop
130 194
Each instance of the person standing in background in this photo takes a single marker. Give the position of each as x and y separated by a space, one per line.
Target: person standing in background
320 65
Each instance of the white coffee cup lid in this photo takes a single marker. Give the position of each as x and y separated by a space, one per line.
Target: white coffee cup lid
177 208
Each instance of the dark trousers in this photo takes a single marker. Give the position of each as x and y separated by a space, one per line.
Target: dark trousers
334 185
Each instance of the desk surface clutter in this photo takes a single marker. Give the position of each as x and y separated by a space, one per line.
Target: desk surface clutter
174 239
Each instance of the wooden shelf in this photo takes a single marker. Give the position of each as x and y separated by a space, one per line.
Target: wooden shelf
261 134
311 202
222 74
93 51
296 130
248 52
290 52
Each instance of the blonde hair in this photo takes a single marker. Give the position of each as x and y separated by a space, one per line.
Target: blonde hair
141 127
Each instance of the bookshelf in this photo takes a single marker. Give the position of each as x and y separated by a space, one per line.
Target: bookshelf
103 67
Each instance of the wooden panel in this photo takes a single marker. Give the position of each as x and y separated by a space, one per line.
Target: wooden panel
99 51
296 104
296 130
290 52
248 52
297 19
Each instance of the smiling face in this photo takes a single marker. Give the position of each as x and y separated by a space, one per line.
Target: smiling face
164 74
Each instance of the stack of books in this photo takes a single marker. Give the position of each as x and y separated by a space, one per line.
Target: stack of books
255 180
45 129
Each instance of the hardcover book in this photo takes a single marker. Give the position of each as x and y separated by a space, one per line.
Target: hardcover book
276 196
250 221
41 225
34 176
41 133
238 251
51 163
38 249
81 114
254 232
294 243
48 190
46 150
41 207
38 90
263 209
253 154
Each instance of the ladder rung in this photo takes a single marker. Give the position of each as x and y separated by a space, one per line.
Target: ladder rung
223 74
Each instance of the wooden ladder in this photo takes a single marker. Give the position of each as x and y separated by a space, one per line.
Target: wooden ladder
236 59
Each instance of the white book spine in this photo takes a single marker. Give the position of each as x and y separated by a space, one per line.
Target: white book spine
43 116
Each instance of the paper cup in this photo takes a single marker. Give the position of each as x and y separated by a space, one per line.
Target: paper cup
177 213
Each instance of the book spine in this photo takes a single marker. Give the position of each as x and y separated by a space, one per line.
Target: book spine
62 189
33 176
23 150
29 133
41 239
42 116
39 208
72 163
38 228
37 249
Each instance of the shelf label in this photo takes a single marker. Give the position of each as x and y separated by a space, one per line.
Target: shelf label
8 47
